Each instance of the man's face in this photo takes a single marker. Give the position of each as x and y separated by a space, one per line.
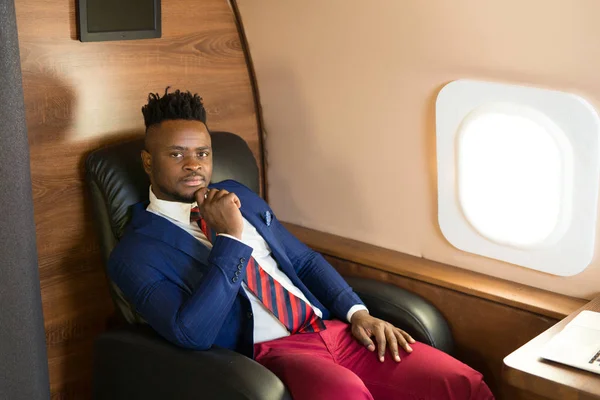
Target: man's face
178 159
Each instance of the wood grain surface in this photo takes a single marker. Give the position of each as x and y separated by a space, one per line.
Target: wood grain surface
80 96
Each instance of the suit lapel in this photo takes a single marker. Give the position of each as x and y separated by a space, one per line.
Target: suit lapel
149 224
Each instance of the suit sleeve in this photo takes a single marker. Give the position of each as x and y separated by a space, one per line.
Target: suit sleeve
318 275
189 319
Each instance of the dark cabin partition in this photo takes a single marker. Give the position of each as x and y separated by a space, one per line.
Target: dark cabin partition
23 362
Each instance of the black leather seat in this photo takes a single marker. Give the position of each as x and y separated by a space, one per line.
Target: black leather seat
135 363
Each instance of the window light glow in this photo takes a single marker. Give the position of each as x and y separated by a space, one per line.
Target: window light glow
511 175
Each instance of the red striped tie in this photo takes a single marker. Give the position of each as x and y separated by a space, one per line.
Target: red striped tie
292 311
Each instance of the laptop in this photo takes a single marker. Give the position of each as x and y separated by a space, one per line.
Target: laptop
578 344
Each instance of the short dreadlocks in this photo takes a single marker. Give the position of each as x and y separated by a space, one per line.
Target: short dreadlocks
172 106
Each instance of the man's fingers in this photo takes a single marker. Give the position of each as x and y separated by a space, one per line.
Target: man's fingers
210 194
200 196
216 195
219 194
408 338
235 200
363 337
392 342
403 340
381 341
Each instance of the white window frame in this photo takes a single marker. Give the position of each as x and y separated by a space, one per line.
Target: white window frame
574 124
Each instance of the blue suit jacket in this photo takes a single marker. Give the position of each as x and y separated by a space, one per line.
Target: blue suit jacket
190 294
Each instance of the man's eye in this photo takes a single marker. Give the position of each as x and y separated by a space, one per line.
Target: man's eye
176 155
203 154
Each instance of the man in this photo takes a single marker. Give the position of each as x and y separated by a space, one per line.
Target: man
211 265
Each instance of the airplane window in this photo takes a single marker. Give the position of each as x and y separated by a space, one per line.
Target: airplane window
518 171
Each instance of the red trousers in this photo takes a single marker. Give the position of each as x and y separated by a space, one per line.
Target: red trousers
331 364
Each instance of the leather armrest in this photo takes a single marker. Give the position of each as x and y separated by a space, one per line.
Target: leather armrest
135 363
405 310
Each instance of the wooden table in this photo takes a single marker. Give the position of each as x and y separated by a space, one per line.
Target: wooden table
525 370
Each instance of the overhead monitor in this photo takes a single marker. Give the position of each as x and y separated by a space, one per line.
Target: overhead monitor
103 20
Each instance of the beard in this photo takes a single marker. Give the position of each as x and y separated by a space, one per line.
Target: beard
176 196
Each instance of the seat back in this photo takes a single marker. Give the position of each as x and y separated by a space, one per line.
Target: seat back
117 180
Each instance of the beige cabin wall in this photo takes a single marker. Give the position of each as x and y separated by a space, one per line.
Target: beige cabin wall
348 92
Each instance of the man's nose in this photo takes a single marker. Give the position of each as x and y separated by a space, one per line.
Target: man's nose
192 165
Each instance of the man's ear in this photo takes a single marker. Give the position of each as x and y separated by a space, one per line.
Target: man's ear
147 161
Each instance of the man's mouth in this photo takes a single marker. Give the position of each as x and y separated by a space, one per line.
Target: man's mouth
193 181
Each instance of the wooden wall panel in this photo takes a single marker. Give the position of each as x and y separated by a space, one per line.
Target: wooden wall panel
80 96
484 331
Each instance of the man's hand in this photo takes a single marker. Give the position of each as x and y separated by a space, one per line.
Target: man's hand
221 211
364 327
